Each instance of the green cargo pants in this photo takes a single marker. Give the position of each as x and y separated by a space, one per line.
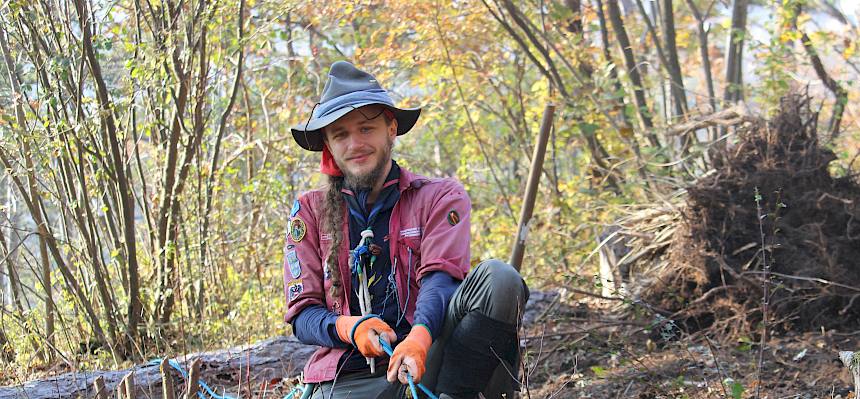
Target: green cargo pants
493 288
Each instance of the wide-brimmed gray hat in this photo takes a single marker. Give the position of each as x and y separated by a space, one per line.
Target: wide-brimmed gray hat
348 88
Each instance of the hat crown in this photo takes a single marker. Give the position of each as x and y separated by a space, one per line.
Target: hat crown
345 78
348 88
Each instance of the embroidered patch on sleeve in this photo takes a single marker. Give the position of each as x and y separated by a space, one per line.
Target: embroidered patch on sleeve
294 289
293 263
297 230
453 217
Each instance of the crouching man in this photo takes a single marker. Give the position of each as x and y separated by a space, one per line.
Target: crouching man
382 252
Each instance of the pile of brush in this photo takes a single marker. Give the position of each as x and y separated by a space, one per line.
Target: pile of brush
701 261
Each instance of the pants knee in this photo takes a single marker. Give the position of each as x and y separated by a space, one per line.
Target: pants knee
505 283
504 278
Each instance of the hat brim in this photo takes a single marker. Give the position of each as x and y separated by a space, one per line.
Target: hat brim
310 136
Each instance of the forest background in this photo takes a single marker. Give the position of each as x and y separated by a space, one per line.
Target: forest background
148 168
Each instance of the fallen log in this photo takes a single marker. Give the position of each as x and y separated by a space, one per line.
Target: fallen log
275 359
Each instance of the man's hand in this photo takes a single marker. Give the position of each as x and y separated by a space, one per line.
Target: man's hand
364 333
410 355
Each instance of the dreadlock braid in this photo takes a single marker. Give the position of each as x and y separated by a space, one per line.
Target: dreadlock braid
333 224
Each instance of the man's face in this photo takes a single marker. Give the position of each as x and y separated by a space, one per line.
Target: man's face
360 143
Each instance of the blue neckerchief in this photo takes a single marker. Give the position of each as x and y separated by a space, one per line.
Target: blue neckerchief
383 291
357 203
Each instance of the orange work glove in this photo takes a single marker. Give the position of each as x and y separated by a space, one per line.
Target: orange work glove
410 355
363 332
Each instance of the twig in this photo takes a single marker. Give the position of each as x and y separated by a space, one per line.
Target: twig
764 299
717 363
805 278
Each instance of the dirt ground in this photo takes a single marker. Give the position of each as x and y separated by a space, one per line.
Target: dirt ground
585 352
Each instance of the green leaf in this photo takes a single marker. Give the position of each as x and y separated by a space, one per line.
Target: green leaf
737 390
598 371
588 129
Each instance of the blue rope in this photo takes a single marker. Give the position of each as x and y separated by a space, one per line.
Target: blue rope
387 348
175 365
300 389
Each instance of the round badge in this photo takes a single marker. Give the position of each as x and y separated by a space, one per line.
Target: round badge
297 230
453 217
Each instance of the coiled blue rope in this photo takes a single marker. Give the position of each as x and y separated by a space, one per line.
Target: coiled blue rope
387 348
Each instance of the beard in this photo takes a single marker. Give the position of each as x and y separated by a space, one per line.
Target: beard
366 181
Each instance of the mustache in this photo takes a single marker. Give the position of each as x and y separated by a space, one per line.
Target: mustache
358 154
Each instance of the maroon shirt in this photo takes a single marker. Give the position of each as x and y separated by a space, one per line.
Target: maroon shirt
431 220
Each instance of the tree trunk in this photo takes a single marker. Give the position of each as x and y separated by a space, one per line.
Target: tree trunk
211 178
679 96
119 166
632 71
11 276
734 61
706 59
627 124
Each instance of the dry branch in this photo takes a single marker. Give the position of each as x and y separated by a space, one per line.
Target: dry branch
733 116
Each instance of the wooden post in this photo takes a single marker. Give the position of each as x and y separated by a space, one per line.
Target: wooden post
531 188
193 380
128 384
120 390
166 380
99 384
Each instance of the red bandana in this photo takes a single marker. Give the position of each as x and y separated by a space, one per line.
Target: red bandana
327 165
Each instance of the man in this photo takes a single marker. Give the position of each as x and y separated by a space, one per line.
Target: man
382 252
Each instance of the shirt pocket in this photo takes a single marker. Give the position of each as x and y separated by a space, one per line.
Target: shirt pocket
410 253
